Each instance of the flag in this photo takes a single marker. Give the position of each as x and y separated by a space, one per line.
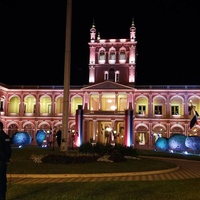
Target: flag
194 115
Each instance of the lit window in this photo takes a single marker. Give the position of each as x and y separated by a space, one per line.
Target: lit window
158 110
175 110
122 55
112 55
141 110
102 55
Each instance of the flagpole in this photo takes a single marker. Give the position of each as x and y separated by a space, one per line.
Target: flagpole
191 102
193 116
64 143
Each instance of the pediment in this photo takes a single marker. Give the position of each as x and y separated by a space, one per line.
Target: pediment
107 85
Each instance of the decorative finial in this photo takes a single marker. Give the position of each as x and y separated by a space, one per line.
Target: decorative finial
133 24
93 24
98 37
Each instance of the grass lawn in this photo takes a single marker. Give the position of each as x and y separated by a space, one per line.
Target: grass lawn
129 190
23 164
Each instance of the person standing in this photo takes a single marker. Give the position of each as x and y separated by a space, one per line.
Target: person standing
50 139
5 156
58 137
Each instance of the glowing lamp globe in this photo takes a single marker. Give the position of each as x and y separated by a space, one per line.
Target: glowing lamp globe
161 144
177 142
193 142
40 137
21 138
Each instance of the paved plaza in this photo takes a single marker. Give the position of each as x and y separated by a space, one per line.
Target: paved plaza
186 169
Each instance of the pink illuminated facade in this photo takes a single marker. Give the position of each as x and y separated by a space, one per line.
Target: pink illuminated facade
110 109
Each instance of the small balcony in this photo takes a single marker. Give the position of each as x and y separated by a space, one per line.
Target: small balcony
103 112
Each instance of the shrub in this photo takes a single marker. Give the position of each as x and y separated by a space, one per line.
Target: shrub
64 159
86 148
129 151
107 149
121 148
99 148
117 156
117 153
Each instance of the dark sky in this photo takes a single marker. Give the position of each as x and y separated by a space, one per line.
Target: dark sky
32 39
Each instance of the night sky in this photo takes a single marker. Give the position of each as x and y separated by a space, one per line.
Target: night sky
32 39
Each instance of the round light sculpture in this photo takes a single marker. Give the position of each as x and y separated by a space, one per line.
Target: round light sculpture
40 137
177 142
21 138
161 144
193 142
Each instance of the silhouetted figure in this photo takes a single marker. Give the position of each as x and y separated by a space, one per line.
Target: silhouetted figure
49 139
58 137
5 155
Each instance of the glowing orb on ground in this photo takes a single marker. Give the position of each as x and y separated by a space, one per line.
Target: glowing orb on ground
193 142
40 137
177 142
21 138
162 144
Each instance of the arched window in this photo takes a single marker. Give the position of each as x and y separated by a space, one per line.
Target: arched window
45 105
12 129
112 55
59 106
14 105
122 55
75 103
29 104
112 74
106 77
102 56
117 76
2 105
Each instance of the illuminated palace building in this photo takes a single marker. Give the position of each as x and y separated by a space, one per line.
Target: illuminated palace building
111 108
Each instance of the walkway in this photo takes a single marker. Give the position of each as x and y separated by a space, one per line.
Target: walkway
186 170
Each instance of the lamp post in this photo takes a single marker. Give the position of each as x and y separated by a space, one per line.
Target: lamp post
107 134
54 136
73 137
66 76
115 136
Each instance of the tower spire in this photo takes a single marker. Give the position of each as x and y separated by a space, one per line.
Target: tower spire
93 23
98 36
93 32
132 31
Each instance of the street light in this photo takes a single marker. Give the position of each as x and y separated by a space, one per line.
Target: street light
67 66
107 134
115 135
73 137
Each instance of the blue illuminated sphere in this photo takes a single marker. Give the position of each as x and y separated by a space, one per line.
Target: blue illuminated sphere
40 137
161 144
21 138
193 142
177 142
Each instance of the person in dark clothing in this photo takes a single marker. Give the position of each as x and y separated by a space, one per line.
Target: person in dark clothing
58 137
5 156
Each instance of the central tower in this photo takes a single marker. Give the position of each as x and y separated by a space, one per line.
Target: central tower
112 59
